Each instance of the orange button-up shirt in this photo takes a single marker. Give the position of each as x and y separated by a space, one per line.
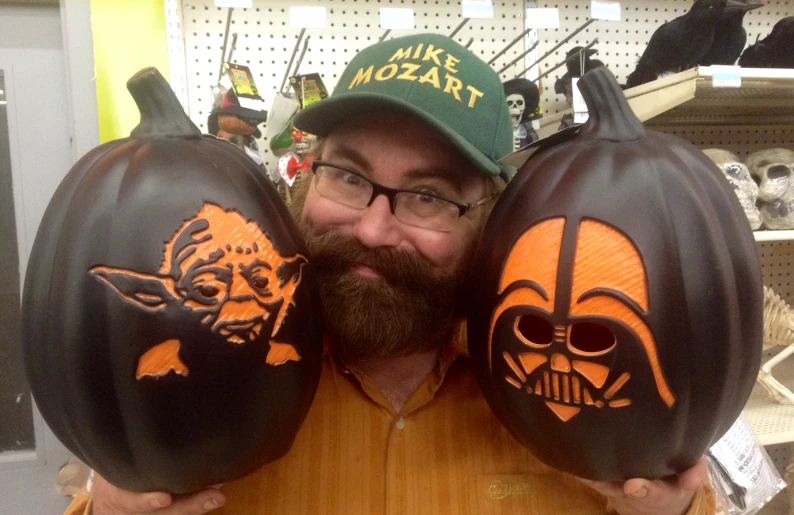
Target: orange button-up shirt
444 453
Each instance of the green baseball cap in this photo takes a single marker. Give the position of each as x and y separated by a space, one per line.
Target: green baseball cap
434 78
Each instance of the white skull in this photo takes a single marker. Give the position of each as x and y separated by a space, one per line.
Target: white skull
773 170
516 105
739 177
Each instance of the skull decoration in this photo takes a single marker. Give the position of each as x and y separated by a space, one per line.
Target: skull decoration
516 105
523 101
615 310
773 170
739 178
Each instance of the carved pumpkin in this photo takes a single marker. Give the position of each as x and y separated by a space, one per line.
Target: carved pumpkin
616 314
171 337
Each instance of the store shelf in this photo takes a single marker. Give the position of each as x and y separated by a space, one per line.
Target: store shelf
766 97
772 423
773 235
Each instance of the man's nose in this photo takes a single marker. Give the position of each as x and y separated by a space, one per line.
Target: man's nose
377 226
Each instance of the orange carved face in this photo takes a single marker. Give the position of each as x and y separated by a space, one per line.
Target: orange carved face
562 325
224 269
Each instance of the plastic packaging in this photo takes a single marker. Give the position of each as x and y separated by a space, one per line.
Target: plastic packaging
742 474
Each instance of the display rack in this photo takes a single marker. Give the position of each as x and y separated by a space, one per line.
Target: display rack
772 423
773 235
694 97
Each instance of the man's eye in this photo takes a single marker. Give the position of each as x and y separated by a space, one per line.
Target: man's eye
351 179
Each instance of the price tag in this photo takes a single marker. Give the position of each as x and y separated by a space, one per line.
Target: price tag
477 9
726 77
579 106
397 18
543 18
605 10
307 17
245 4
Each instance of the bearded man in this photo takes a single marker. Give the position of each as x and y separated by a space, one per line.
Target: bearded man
401 186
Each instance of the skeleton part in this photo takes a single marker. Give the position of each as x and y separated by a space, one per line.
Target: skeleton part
778 330
772 170
739 178
516 105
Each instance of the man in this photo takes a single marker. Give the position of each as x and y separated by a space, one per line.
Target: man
401 187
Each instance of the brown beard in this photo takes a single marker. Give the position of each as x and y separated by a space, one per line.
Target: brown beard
411 309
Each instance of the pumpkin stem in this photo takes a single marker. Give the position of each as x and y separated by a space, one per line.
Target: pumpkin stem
611 117
162 115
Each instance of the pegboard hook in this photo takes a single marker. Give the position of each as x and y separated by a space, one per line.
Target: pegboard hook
511 63
300 58
505 49
225 39
292 59
568 60
558 45
460 26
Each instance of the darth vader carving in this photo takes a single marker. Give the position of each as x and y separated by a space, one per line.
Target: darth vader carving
615 309
568 333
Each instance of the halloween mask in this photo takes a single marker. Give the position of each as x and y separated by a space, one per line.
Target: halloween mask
615 319
516 106
739 178
773 170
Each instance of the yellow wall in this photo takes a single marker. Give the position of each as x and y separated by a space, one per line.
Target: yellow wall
128 35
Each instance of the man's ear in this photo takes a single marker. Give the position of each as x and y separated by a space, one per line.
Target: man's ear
150 292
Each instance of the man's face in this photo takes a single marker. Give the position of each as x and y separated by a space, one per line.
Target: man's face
390 288
401 152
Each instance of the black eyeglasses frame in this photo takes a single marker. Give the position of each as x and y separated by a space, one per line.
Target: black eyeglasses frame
379 189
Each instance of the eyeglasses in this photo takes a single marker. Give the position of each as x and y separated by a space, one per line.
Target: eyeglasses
418 208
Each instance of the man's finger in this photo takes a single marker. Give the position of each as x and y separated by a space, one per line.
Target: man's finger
608 488
107 496
694 477
640 488
196 504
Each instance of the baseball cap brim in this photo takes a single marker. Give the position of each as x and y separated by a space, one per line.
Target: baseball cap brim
321 117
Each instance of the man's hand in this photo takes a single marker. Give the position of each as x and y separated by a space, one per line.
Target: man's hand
109 500
669 496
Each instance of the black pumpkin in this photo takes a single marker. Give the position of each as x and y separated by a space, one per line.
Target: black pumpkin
616 313
172 338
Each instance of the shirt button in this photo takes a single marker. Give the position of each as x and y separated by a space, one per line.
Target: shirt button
400 423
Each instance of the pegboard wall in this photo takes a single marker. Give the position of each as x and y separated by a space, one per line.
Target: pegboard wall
266 41
741 140
776 260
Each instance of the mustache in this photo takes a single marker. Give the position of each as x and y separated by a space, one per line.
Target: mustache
334 253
